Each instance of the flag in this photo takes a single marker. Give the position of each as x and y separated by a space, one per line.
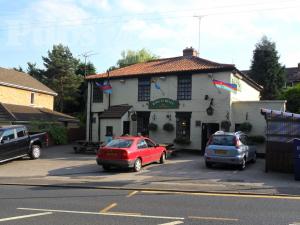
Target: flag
105 87
226 86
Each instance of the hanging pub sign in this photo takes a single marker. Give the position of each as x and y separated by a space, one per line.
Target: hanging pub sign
163 103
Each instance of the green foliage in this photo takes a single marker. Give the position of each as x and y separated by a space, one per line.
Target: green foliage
130 57
169 127
257 139
153 126
182 141
266 69
55 130
245 127
61 77
59 134
292 95
225 125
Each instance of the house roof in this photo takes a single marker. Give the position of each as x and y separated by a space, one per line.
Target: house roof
167 65
13 78
293 74
10 112
116 111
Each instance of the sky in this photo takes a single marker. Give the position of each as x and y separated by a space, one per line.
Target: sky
229 29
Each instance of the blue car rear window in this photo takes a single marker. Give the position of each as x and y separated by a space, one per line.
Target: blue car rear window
227 140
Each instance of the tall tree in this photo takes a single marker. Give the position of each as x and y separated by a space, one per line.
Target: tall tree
60 71
266 69
130 57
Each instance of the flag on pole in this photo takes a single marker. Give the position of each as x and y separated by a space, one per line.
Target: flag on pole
226 86
105 87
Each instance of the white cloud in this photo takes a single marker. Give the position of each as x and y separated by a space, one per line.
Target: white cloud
134 25
99 4
135 6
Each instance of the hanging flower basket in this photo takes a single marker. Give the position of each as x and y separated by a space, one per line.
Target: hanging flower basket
169 127
152 126
225 125
245 127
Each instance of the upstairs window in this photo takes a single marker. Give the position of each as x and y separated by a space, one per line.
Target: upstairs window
144 89
97 94
32 98
184 88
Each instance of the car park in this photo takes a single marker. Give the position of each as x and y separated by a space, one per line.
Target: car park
130 152
229 148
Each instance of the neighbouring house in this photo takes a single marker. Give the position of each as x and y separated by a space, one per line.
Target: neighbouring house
24 99
174 100
293 75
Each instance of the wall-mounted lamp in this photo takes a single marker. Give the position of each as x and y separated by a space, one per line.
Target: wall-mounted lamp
122 81
153 117
169 116
162 78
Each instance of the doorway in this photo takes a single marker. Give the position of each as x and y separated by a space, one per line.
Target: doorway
207 130
143 123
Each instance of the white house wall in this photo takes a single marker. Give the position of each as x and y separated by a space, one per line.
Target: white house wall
251 110
125 91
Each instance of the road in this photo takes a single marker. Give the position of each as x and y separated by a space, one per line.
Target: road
33 205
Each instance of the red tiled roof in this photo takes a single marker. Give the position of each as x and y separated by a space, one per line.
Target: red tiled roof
167 65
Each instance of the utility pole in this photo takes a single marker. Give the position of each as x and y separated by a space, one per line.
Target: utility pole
199 17
89 113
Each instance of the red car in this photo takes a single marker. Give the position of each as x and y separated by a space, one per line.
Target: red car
130 152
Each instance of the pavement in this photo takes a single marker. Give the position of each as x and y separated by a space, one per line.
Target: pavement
185 172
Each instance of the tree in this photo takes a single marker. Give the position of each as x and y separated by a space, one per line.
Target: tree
60 73
19 69
36 73
266 69
292 95
130 57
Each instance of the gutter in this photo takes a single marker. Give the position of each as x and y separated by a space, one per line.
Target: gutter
27 88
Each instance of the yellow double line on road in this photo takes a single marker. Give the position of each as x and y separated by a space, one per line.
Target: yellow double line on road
225 195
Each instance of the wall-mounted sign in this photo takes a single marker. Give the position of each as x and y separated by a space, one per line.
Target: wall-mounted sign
164 103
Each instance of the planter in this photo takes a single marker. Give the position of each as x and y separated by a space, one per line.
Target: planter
152 126
169 127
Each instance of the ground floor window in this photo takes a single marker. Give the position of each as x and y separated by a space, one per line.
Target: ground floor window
183 125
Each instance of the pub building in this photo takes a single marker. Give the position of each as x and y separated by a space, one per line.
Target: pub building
180 100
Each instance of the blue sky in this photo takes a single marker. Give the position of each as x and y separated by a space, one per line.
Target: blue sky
229 29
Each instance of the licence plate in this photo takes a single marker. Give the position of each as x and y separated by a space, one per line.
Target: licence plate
221 152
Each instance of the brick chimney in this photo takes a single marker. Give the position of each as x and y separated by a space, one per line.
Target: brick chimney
298 66
190 52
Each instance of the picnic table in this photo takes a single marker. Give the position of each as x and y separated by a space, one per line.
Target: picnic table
87 146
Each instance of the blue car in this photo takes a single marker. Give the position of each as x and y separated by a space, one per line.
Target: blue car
229 148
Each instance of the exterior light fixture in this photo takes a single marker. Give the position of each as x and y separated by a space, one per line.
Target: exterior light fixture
162 78
122 81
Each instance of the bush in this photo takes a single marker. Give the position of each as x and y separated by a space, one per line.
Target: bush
257 139
152 126
56 131
182 141
169 127
59 134
245 127
225 125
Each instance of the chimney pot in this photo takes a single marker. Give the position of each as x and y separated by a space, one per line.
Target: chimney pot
190 52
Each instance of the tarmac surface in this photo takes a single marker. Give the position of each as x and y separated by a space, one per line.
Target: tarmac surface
185 172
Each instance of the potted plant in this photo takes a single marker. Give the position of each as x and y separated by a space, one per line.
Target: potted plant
182 141
169 127
225 125
152 126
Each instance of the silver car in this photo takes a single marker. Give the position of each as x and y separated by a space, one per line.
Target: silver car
229 148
